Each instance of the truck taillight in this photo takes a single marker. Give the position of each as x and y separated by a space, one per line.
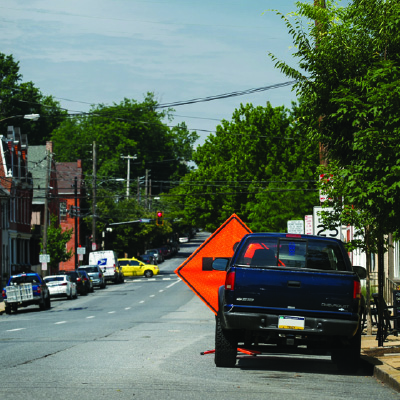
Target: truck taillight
357 290
3 293
230 281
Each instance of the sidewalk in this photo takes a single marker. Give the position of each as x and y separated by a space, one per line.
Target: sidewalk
386 359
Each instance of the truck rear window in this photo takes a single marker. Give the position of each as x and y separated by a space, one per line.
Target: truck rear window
278 252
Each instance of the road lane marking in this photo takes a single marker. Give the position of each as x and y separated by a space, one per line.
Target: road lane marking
172 284
142 301
152 295
111 312
128 308
91 316
16 329
60 322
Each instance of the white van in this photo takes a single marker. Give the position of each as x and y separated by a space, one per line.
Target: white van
107 260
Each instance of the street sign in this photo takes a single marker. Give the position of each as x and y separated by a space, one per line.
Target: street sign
296 226
308 225
94 246
44 258
197 272
319 228
81 250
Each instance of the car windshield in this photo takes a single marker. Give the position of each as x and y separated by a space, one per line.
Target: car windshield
281 252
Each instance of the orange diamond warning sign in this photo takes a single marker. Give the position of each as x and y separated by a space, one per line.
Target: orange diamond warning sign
197 272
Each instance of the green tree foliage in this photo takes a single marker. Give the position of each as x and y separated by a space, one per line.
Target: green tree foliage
128 128
57 240
258 166
18 99
129 236
349 83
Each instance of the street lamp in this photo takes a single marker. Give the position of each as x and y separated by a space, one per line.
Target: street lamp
32 117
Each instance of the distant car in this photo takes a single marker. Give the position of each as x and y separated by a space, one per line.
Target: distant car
135 267
166 251
148 259
156 252
76 277
87 280
96 275
183 239
61 285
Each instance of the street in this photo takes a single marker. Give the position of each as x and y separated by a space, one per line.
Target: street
143 340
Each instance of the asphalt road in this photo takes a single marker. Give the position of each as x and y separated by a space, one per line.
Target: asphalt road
143 340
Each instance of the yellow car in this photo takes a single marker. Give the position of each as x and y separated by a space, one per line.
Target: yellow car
134 267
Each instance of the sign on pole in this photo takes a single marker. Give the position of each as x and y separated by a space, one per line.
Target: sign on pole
44 258
308 225
296 226
319 227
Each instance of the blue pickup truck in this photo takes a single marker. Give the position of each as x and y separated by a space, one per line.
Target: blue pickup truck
25 289
289 293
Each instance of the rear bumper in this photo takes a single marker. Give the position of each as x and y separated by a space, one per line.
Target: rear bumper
268 324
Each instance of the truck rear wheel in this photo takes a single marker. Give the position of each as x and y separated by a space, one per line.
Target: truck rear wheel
347 357
225 346
7 309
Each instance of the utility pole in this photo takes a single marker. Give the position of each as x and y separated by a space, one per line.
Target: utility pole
129 158
94 187
146 193
76 221
46 205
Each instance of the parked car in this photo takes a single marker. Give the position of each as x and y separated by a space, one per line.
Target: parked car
166 251
61 285
96 275
87 280
148 259
76 277
156 252
135 267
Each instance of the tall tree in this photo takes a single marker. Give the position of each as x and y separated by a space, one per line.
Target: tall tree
251 165
21 98
128 128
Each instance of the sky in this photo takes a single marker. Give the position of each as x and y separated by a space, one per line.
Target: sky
85 52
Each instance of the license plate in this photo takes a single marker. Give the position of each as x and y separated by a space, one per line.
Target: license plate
290 322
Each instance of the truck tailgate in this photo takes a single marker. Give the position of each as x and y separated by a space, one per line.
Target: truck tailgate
22 292
283 289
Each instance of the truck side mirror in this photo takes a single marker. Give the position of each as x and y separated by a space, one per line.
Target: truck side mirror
220 264
360 271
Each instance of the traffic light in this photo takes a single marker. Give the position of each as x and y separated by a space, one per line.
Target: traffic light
160 218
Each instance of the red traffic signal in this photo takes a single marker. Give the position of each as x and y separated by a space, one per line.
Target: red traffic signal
160 218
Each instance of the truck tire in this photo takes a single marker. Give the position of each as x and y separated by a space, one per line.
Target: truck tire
347 357
225 346
14 307
7 309
48 302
